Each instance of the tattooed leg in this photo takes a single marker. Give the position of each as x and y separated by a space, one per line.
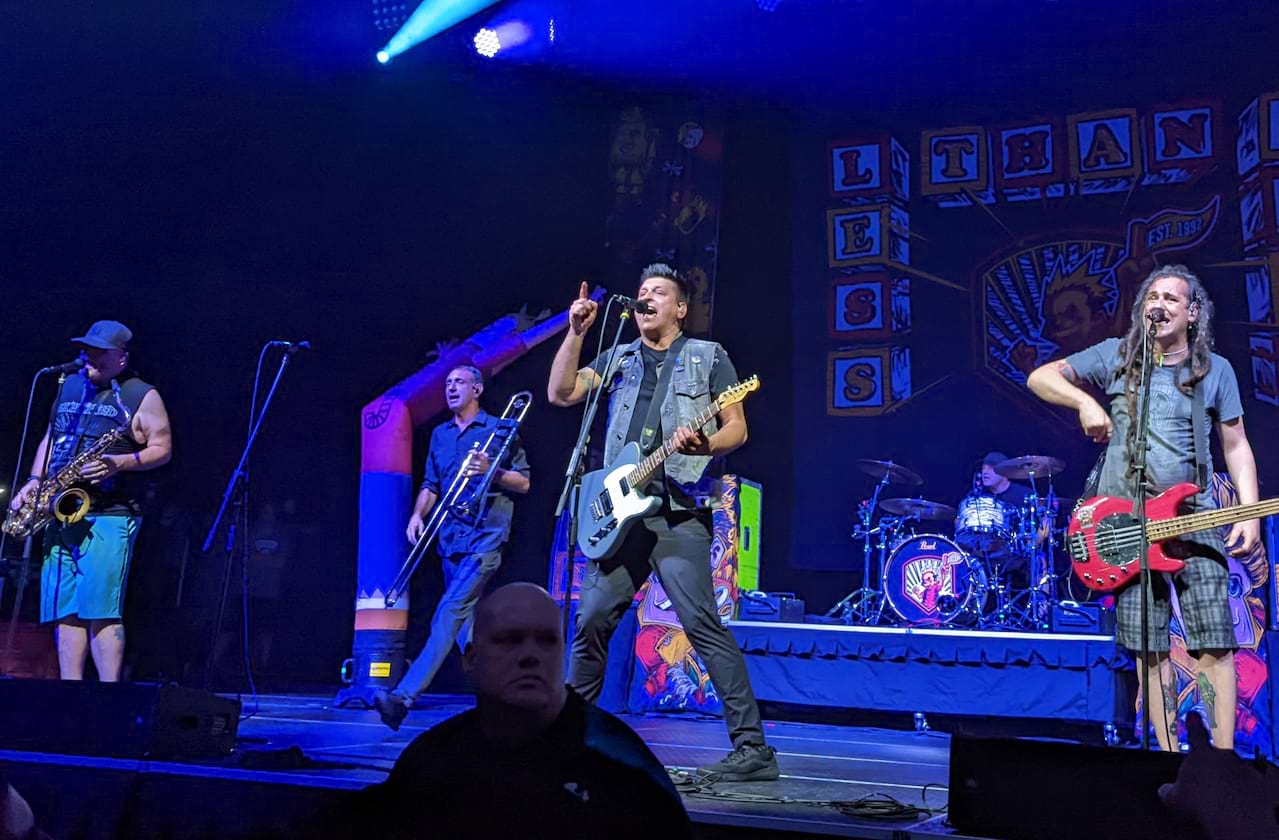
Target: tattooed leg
1209 697
106 644
1216 681
1162 716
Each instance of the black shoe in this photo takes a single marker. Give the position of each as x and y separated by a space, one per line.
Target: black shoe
391 707
746 763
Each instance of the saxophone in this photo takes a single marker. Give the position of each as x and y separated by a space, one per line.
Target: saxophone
58 497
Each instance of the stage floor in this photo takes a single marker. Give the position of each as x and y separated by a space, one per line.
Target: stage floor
342 748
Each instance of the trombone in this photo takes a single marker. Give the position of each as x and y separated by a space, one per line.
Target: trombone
465 497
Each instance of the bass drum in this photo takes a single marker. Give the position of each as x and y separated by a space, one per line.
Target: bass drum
931 581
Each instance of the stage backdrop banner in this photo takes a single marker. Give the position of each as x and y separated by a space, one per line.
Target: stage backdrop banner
665 170
935 266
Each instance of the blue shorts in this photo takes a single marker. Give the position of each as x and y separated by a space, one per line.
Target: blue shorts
86 566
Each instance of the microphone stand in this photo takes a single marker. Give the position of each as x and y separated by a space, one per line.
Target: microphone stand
237 493
573 473
25 569
1139 471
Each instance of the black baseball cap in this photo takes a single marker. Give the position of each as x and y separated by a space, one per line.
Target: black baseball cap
994 458
106 335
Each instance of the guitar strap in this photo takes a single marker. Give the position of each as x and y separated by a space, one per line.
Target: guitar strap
653 421
1200 425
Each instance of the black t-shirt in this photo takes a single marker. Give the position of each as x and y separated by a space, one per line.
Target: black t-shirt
588 775
83 413
1014 495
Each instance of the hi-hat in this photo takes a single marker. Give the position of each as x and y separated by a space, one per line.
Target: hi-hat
897 474
921 508
1039 466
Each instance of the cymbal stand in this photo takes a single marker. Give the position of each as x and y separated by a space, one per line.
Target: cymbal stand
858 606
1043 573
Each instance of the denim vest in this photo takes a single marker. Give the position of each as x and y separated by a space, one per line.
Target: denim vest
689 394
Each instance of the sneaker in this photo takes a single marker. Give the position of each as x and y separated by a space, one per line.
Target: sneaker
391 707
746 763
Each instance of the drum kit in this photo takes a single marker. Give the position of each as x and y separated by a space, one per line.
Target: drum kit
998 571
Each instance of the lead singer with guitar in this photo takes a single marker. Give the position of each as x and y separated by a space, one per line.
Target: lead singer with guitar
1184 367
676 377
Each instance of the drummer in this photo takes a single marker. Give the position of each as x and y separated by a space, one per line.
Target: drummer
1002 488
1013 494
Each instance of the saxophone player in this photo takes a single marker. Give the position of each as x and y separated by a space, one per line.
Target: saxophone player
469 555
86 562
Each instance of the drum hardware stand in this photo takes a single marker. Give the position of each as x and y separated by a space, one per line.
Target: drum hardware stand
1043 571
858 606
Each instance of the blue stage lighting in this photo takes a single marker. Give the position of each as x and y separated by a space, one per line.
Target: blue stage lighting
487 43
768 5
383 56
430 19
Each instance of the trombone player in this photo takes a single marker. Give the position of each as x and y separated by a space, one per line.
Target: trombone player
469 555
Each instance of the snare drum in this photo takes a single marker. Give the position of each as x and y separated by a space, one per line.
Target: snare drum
984 524
930 580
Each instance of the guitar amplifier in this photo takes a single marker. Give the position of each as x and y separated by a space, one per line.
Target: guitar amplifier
770 606
1073 617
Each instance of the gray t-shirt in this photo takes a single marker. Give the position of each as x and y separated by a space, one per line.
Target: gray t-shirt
1170 454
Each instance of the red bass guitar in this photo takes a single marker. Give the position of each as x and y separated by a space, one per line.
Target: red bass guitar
1104 539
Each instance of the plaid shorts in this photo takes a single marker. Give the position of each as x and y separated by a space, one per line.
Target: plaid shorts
1203 594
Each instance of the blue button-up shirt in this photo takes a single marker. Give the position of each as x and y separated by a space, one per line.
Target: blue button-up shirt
449 447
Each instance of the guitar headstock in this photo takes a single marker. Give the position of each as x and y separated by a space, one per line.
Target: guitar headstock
737 392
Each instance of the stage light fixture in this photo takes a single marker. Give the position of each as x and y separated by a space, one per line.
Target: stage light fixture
768 5
429 19
487 42
383 56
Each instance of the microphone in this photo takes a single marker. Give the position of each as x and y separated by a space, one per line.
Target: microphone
293 346
66 367
643 307
1157 315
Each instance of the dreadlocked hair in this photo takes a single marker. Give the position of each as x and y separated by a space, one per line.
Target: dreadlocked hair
1190 370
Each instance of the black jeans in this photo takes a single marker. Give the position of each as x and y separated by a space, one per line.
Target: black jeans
676 545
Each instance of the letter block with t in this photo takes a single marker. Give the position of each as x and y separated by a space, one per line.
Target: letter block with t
1181 141
868 236
869 169
1259 211
867 381
1105 150
1257 134
869 306
1030 160
955 166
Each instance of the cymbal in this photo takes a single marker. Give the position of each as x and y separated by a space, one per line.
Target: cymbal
896 473
922 508
1041 466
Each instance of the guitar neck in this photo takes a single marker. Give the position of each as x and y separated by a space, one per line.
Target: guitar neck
1178 526
645 469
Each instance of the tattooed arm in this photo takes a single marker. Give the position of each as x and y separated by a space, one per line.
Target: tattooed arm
1055 383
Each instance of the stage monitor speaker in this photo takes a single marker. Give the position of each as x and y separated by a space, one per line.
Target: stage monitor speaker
123 720
1044 790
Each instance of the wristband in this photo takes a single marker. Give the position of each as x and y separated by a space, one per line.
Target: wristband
35 478
137 458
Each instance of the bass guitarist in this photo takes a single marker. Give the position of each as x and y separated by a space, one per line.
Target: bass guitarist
656 384
1184 369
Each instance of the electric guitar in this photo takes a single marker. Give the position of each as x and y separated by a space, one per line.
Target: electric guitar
1104 539
611 499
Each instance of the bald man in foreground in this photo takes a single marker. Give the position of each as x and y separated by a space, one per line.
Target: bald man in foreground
532 758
